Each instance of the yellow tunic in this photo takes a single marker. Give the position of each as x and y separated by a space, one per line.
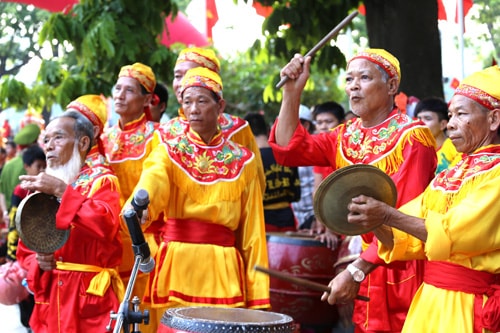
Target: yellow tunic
462 215
126 150
215 184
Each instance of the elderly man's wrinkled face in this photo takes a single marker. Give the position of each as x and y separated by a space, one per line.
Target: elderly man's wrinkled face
470 124
64 159
202 111
179 72
366 88
128 98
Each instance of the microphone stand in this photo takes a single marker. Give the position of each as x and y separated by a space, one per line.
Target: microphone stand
125 315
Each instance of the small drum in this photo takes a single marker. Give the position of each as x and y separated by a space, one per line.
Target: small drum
306 258
227 320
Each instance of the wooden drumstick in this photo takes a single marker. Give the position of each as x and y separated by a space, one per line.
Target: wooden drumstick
301 282
322 42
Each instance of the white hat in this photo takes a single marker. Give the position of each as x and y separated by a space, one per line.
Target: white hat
305 113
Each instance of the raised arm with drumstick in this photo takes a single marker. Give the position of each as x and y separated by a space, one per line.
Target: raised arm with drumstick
298 71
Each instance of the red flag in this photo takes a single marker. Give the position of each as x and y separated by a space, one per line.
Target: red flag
262 10
362 9
467 4
454 83
441 11
212 17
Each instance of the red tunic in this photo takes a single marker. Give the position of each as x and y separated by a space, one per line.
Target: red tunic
404 150
90 208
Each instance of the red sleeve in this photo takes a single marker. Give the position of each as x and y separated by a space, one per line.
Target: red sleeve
18 195
35 277
305 149
100 207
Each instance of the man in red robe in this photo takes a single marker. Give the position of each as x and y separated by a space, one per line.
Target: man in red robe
77 286
382 136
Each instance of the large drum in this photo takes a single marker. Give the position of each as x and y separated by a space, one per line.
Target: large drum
302 257
227 320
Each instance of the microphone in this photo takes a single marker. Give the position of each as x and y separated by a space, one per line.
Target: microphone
139 244
140 202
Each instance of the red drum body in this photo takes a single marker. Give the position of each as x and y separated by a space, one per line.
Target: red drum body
227 320
302 257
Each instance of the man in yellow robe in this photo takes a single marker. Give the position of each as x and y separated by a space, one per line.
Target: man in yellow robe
453 224
127 144
207 188
232 127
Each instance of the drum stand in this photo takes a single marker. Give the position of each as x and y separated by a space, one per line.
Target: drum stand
126 316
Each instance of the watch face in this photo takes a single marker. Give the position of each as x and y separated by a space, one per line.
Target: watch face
358 276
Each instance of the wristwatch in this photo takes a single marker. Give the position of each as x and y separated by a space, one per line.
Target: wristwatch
357 274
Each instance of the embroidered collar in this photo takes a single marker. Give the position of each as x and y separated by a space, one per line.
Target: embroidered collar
367 145
195 137
134 123
472 165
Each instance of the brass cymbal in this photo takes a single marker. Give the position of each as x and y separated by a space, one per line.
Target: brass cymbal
336 191
36 223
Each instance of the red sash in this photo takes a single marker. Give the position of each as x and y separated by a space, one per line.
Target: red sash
449 276
195 231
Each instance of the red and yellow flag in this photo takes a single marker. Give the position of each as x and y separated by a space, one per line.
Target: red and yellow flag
212 16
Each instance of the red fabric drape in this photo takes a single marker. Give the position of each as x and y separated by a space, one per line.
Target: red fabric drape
180 30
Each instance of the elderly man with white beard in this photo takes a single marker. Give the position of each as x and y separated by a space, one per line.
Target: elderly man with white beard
72 285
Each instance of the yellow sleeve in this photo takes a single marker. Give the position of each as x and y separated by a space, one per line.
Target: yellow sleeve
469 227
155 180
406 247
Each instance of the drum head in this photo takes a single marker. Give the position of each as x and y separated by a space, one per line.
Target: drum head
36 223
228 320
336 191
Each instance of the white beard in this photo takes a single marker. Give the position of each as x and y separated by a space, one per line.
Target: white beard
68 172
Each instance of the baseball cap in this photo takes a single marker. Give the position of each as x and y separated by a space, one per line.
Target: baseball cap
305 113
27 135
